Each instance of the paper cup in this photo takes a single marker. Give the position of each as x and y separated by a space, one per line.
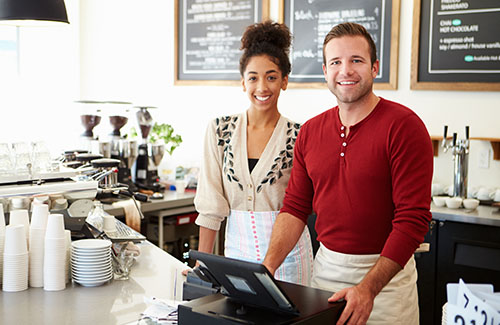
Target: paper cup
180 186
15 240
2 220
39 216
55 226
21 217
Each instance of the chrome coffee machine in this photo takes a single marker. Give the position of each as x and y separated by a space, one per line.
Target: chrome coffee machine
145 172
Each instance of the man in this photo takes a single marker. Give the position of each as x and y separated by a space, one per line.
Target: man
365 168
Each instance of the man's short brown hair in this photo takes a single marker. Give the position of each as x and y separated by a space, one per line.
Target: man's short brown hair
350 29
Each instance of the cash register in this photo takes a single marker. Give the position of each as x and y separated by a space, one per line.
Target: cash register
250 295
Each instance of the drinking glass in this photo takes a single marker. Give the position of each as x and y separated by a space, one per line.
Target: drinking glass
122 261
22 157
41 157
6 166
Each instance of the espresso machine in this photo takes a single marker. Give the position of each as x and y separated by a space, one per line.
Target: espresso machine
149 155
460 151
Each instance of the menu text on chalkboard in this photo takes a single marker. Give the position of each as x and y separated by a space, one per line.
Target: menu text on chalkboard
209 37
459 42
310 21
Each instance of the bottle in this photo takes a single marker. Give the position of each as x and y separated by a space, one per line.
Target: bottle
95 217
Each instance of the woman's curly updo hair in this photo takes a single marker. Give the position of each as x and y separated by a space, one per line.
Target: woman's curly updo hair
267 38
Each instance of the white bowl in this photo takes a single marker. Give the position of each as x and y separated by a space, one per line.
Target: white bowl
439 201
470 203
454 202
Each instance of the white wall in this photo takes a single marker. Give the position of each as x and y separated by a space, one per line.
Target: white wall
35 103
126 53
128 48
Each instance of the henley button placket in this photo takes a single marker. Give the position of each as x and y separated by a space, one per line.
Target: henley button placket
344 144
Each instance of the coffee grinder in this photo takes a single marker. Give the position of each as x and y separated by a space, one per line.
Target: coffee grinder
90 116
127 153
120 148
145 173
118 113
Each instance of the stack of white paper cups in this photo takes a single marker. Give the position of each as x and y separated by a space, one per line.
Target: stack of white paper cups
37 244
15 259
21 217
67 274
55 254
2 239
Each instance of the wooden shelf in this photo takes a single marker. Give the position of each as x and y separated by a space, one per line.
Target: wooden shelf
495 144
436 143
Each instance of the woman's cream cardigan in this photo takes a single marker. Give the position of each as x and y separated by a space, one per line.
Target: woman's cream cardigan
225 181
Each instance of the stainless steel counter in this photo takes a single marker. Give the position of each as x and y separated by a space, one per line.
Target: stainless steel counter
483 215
119 302
176 202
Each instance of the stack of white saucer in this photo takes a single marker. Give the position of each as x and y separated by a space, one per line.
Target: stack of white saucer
38 225
15 259
2 239
54 264
91 262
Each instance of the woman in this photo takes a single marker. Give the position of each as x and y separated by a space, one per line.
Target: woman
248 159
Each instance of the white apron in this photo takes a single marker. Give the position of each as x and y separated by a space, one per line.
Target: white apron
247 238
397 303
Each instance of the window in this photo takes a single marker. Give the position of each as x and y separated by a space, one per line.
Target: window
9 51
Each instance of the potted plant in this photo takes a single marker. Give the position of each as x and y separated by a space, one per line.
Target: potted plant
162 133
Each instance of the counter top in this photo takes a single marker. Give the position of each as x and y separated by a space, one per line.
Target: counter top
155 273
483 215
171 200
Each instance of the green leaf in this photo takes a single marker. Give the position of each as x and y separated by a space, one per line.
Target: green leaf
165 132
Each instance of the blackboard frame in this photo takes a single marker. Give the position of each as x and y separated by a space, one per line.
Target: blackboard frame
415 84
264 4
394 52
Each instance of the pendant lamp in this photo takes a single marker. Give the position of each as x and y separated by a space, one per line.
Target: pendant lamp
32 12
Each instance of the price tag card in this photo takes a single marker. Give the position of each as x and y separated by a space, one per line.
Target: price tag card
470 310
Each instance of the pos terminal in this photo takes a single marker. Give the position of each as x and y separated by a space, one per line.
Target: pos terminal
250 295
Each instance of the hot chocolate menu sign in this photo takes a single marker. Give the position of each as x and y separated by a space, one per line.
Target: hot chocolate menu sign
456 45
311 20
208 35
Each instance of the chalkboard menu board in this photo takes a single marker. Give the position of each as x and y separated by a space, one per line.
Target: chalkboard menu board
456 45
311 20
208 38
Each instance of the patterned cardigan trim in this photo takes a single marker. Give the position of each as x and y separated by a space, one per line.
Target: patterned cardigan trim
284 160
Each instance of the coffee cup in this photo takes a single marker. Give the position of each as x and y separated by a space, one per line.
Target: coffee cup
437 189
109 223
448 190
439 201
180 186
495 195
484 194
470 204
454 202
